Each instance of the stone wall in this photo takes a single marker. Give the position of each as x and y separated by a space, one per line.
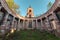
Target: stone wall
46 22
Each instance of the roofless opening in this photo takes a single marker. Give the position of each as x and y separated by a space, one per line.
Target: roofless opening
36 9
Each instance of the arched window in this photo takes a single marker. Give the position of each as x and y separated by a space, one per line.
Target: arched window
29 10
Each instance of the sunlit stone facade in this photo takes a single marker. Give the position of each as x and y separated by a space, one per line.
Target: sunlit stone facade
49 21
30 12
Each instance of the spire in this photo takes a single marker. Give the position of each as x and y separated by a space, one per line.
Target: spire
30 6
30 12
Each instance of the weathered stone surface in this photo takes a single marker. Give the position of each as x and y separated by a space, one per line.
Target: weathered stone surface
50 21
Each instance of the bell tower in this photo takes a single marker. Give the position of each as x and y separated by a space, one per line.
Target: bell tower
30 12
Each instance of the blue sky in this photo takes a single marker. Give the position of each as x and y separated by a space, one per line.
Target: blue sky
39 6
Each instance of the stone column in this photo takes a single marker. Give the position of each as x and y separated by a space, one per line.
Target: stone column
57 30
41 24
4 25
23 24
56 20
36 24
32 25
13 22
48 24
27 24
5 20
18 25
